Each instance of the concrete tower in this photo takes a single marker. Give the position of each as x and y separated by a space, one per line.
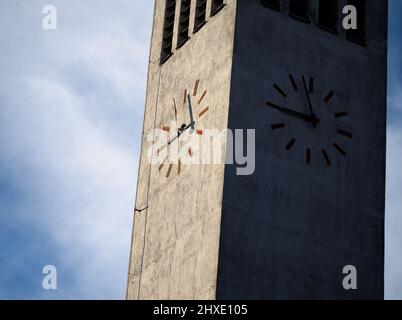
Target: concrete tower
309 221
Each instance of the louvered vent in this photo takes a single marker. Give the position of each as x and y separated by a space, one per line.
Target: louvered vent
200 15
168 28
184 23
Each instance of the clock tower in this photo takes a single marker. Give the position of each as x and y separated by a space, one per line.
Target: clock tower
308 223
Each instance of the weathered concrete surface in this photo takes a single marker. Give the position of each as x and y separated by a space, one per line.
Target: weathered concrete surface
289 229
175 241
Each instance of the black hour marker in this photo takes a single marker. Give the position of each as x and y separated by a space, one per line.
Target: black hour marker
326 157
275 126
311 85
294 85
328 97
308 156
274 106
340 114
339 149
345 133
281 92
290 144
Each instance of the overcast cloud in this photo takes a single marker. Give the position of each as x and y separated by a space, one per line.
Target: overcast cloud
71 114
71 106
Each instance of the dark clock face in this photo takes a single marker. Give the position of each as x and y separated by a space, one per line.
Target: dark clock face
309 116
186 112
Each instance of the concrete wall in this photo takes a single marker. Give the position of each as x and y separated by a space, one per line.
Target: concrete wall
175 241
288 230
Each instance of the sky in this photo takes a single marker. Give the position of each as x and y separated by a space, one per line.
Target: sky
71 110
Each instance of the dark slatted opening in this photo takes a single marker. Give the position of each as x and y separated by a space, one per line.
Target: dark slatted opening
358 35
184 23
299 9
168 28
272 4
217 5
328 15
200 15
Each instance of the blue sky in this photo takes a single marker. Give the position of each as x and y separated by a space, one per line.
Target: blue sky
71 104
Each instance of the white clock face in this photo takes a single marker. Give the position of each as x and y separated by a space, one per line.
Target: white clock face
187 110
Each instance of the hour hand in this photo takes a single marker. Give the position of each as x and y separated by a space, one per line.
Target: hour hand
293 113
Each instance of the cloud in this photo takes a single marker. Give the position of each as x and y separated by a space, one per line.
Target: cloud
393 238
393 217
71 106
89 212
72 103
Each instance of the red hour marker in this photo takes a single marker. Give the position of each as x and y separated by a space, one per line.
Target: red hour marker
166 129
203 112
168 171
162 164
175 109
200 132
202 97
196 87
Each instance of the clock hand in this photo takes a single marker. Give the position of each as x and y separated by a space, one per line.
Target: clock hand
180 132
190 109
314 118
293 113
174 138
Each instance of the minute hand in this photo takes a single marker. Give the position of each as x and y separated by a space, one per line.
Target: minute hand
190 110
310 106
293 113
